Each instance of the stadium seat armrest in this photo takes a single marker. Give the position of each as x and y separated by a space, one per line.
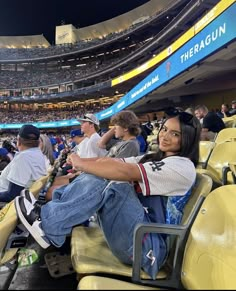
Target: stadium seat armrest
225 171
140 230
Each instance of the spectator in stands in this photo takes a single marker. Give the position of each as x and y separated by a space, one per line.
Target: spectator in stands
124 192
4 159
211 122
54 147
46 148
90 127
224 111
79 139
232 111
9 146
27 166
126 128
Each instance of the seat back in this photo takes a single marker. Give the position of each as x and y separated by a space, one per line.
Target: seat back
38 185
226 134
8 222
210 253
229 122
202 188
205 149
222 154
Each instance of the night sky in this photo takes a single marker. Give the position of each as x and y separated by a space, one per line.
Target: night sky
29 17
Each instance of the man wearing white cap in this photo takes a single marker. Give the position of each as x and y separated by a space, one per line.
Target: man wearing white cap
90 127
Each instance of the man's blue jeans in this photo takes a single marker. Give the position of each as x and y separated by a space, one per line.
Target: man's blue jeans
119 210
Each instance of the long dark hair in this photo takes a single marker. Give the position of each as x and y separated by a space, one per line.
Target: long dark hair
190 137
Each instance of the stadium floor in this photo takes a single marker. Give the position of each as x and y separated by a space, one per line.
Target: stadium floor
37 276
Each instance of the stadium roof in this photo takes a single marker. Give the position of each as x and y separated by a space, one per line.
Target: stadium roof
28 41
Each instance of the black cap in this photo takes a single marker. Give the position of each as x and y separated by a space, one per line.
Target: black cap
29 131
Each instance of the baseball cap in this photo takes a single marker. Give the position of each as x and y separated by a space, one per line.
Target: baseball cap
29 131
89 117
76 132
3 152
233 102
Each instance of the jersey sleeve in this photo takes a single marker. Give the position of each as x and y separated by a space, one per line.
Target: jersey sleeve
132 160
170 177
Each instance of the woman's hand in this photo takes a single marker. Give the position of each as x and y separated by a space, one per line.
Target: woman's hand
76 161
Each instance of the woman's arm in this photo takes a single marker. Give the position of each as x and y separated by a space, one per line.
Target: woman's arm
108 168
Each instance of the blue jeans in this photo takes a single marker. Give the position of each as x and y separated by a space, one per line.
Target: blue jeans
118 208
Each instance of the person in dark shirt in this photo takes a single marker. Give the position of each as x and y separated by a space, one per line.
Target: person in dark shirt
224 111
232 111
211 122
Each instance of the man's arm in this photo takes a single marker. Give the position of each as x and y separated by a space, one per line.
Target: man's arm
13 191
106 138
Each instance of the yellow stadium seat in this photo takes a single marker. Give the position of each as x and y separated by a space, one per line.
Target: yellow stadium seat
90 253
229 121
226 134
205 149
209 253
104 283
8 222
38 185
218 164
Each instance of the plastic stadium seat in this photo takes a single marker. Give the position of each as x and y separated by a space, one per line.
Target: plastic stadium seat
229 121
205 149
210 252
218 164
104 283
210 258
8 222
226 134
38 185
90 253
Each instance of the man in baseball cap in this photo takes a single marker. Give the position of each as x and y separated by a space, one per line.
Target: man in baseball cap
76 132
27 166
89 117
29 132
77 137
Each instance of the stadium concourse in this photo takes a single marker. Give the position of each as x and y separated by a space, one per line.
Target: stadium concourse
163 56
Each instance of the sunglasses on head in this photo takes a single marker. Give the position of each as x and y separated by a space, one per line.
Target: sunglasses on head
184 117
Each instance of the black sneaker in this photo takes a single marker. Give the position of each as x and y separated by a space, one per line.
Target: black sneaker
29 215
28 195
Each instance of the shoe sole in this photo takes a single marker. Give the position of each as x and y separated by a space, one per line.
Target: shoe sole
35 235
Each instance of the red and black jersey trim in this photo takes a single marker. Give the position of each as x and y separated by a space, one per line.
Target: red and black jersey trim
145 179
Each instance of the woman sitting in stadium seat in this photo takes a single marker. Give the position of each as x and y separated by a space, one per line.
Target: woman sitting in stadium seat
124 192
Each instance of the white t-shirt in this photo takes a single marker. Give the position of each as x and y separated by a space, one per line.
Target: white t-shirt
91 149
26 167
169 177
81 147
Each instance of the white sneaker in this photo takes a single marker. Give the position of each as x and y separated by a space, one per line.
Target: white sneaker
29 215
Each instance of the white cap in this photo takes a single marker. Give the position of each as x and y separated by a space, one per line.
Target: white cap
89 117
